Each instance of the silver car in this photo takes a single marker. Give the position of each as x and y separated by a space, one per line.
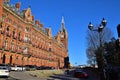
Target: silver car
4 72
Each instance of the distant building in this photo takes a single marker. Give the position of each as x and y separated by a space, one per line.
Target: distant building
25 41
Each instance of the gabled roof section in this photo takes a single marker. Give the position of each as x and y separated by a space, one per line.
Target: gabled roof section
28 14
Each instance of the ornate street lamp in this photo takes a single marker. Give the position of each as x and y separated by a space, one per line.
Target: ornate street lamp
100 28
100 55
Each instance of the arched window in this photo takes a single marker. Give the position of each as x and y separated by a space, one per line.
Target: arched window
50 49
13 34
7 31
1 27
6 43
12 46
26 29
19 34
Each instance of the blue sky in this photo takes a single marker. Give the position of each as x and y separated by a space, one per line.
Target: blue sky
77 14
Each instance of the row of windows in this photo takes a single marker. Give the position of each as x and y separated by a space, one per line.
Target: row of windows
9 21
19 49
36 42
9 33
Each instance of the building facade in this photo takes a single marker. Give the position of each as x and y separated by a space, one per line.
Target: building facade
25 41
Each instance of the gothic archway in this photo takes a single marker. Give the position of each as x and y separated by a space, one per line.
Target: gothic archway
3 59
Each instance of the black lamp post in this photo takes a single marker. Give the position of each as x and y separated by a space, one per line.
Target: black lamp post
99 56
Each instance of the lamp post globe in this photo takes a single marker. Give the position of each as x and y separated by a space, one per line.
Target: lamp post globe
104 22
90 26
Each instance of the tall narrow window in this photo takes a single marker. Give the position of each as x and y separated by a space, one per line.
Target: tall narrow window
13 34
50 50
25 50
9 21
6 43
12 46
19 36
1 27
15 24
7 31
26 29
3 17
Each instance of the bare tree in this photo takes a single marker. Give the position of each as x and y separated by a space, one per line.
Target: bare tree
93 42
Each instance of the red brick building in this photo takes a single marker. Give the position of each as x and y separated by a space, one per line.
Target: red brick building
25 41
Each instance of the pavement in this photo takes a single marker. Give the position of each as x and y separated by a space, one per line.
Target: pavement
23 75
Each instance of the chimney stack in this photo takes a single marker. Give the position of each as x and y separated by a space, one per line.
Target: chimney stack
17 5
37 22
32 18
41 25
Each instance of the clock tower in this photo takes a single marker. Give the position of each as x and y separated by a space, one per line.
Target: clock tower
64 34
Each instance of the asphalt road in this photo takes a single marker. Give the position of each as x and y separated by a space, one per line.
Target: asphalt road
92 76
8 78
25 76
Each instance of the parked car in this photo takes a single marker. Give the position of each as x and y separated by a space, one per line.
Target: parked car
67 72
31 67
45 68
5 66
4 72
80 74
17 68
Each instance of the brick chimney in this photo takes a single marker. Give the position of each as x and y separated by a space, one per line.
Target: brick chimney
32 18
41 25
37 22
17 5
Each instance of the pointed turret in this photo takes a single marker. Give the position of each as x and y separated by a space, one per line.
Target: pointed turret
63 25
64 35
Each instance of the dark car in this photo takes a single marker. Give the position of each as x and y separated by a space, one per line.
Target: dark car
80 74
31 67
45 68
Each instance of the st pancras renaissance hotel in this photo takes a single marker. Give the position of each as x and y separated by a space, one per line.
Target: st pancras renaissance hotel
25 41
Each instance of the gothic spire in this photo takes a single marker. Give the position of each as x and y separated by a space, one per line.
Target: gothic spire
63 25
